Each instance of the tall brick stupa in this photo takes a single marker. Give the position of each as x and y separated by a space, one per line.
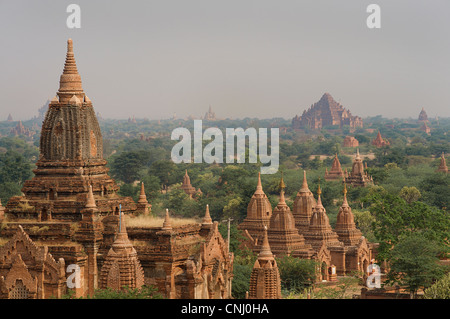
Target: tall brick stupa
70 160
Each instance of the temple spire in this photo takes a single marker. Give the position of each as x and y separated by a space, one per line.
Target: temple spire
345 203
142 196
207 219
70 80
167 225
90 203
282 185
259 189
265 251
319 192
304 187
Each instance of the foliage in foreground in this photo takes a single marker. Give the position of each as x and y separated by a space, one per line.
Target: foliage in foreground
440 289
145 292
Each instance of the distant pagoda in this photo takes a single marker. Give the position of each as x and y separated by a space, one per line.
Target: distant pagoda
357 176
187 186
326 112
423 117
336 172
379 141
210 115
443 165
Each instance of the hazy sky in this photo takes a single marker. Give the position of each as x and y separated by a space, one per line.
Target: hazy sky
244 58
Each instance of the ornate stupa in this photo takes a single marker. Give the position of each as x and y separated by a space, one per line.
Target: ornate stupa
259 211
121 267
320 232
345 225
265 282
71 158
284 238
304 203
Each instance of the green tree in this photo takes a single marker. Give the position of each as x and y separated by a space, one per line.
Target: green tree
409 194
414 263
14 168
395 218
241 280
440 289
128 166
296 274
145 292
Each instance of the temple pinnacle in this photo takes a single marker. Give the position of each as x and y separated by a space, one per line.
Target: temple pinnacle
207 219
167 225
90 199
70 80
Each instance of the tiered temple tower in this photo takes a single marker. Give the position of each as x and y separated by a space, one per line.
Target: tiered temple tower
345 225
265 282
336 172
357 252
303 207
283 236
71 159
320 231
259 211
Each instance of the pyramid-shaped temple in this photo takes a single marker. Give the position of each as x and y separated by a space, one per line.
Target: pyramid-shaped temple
326 112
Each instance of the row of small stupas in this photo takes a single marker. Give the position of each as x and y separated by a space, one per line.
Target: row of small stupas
71 218
305 232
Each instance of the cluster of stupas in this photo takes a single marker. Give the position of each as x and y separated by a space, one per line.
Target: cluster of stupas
357 176
67 230
305 233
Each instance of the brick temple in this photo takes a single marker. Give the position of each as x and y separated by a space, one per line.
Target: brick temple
326 112
336 172
71 219
379 141
358 176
